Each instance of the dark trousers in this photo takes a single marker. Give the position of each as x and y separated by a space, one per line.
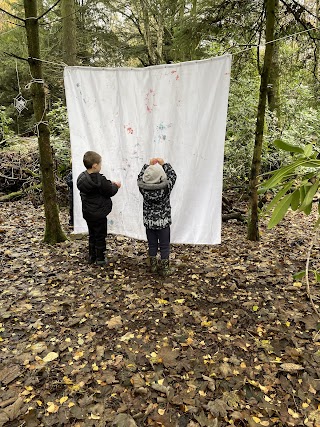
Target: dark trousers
97 233
159 239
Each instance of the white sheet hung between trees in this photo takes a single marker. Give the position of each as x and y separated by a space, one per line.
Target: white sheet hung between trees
129 115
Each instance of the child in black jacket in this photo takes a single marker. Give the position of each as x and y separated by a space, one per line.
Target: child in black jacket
155 182
96 192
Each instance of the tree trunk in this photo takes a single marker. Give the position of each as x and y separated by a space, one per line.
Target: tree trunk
69 48
273 86
147 33
253 220
53 230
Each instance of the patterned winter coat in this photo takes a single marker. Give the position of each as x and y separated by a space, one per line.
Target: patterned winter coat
156 199
96 192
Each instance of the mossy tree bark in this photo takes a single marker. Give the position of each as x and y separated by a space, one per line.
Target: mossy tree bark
253 219
69 45
53 231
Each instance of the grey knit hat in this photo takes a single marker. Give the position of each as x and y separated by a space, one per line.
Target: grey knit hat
154 174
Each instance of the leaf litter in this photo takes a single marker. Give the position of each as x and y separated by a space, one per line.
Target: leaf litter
229 339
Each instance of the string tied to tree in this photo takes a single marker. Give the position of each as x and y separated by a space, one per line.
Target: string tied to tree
19 102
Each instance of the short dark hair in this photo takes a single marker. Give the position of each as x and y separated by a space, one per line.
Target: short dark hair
90 158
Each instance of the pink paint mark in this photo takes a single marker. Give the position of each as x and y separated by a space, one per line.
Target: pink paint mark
150 100
130 130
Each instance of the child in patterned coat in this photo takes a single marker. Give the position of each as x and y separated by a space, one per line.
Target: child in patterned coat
155 182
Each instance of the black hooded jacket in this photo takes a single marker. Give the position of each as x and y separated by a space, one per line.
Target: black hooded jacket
156 199
96 192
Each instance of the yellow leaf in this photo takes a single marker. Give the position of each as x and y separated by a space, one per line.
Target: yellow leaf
276 360
50 357
52 408
256 420
67 380
127 337
288 324
63 399
297 284
263 388
39 403
78 355
71 404
180 301
161 411
255 308
312 390
305 405
95 367
162 301
76 387
94 417
206 323
293 414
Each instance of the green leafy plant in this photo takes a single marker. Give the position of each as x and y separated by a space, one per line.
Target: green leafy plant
5 122
58 120
296 186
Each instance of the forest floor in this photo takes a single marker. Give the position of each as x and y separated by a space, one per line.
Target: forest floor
229 339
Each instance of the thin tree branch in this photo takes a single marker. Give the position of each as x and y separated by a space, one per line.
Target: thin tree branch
16 56
50 8
12 16
307 273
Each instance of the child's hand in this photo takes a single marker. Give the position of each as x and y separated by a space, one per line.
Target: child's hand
160 161
156 160
118 184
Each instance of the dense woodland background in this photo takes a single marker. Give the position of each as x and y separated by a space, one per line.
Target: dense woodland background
232 337
141 33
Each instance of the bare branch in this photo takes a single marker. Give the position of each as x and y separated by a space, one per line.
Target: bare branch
12 16
16 56
50 8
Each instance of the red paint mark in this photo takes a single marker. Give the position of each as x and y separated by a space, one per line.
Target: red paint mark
130 130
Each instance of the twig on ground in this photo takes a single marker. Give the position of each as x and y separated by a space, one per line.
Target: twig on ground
307 272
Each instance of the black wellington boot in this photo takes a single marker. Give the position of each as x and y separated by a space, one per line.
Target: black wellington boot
92 254
100 257
165 269
153 264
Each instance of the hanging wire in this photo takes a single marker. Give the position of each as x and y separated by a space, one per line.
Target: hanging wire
18 77
275 40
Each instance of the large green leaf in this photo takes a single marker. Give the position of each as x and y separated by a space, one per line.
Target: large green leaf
295 202
280 210
279 196
287 147
288 170
308 150
309 196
